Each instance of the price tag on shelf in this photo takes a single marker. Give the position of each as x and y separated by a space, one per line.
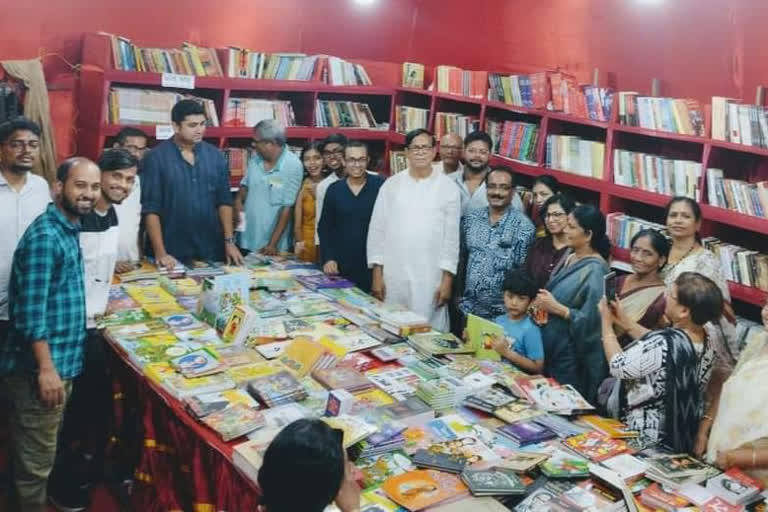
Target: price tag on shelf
178 81
163 131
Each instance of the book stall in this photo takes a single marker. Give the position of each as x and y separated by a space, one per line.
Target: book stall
213 361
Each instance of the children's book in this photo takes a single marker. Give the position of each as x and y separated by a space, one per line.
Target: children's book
234 421
562 464
355 429
182 322
239 324
220 295
198 363
481 333
596 446
207 403
416 490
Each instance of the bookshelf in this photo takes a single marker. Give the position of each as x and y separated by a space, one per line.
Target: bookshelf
738 161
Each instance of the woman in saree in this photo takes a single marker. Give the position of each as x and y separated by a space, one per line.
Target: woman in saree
571 334
663 375
641 302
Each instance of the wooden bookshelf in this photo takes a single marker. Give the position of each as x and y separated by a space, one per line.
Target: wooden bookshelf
97 77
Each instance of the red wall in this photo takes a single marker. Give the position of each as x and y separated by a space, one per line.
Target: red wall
698 48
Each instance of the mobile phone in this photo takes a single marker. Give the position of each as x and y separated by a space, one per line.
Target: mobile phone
609 286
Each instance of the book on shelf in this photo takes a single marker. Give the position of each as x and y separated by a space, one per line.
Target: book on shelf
413 75
657 174
740 265
514 139
461 125
738 195
249 111
145 106
237 161
410 118
397 161
243 63
187 60
586 101
342 72
462 82
739 123
529 91
683 116
344 114
575 155
622 228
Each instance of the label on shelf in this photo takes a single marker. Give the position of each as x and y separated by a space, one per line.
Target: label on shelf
163 131
178 81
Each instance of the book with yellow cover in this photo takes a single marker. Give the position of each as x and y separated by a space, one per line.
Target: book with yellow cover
153 294
416 490
609 426
247 372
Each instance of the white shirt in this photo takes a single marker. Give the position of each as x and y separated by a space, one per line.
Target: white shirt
478 199
99 235
414 235
17 211
129 216
438 166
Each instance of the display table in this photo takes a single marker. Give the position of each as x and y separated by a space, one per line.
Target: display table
181 465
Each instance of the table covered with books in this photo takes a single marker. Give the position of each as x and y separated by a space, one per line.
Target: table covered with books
212 361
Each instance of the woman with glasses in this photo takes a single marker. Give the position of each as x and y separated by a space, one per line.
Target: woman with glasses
547 252
304 213
662 376
544 187
641 300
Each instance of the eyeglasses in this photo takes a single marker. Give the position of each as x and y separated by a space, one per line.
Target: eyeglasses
356 161
17 145
554 215
420 149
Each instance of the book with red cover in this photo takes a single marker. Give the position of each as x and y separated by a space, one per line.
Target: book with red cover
595 446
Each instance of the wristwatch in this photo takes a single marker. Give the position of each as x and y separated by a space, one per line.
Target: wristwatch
229 240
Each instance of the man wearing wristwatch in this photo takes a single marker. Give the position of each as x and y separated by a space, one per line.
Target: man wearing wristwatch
185 195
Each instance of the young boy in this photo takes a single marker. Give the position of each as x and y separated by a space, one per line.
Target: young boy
522 342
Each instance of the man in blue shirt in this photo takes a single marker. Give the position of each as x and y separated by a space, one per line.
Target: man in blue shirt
493 240
268 190
185 196
44 351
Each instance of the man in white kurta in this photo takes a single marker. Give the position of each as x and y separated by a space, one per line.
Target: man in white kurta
413 239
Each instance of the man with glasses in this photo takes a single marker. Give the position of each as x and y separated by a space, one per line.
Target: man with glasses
185 196
268 191
413 239
450 151
128 212
346 215
471 181
23 196
333 159
494 240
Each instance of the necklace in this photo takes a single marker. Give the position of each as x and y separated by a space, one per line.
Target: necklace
687 253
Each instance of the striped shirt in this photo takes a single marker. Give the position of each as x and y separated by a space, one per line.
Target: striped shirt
47 297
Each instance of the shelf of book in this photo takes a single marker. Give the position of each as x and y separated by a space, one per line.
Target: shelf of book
742 148
736 219
637 194
658 133
738 291
576 120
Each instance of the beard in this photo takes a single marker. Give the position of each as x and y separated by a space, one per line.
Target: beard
20 169
476 168
74 209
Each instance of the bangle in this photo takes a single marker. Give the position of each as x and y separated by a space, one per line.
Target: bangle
754 457
707 417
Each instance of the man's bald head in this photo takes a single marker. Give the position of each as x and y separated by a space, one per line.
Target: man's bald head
451 147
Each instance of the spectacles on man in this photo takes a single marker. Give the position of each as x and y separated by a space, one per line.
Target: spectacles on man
356 161
420 149
18 145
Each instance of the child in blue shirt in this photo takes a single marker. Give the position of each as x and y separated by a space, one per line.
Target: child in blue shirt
522 342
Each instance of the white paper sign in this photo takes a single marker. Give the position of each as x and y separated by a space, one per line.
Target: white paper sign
163 131
178 81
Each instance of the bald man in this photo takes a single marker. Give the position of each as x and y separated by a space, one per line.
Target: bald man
44 351
451 147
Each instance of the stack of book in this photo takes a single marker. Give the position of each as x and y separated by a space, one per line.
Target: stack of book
739 123
587 101
735 487
595 446
530 91
657 174
234 421
413 75
198 363
410 118
576 155
342 377
495 481
437 343
526 432
323 281
513 139
447 463
488 400
398 320
277 389
462 82
237 161
145 106
740 265
201 405
249 111
622 228
189 60
682 116
461 125
397 162
344 114
741 196
676 470
443 393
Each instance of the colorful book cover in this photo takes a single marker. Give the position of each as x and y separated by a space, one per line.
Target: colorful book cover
436 343
248 372
198 363
204 335
234 421
355 429
562 464
341 378
220 295
481 332
375 470
208 403
182 322
123 317
301 356
596 446
239 325
493 481
437 460
416 490
276 386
